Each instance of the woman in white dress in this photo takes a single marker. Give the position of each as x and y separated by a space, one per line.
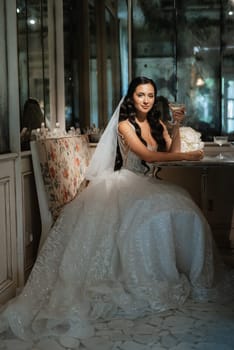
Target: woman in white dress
129 244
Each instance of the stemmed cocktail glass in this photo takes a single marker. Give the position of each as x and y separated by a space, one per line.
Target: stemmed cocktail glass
175 106
220 140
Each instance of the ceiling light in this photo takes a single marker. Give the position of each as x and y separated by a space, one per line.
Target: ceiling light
200 82
32 21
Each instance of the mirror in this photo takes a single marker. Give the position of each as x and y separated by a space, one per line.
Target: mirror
92 60
32 22
187 48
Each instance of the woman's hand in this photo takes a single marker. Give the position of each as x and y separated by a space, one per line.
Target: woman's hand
194 155
178 115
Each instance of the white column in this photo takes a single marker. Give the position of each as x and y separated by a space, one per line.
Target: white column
14 125
3 80
56 62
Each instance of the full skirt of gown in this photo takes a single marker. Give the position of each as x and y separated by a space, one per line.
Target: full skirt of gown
127 245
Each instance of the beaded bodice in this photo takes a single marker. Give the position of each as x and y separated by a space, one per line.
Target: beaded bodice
131 161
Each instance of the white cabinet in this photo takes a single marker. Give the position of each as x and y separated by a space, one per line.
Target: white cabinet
17 243
8 235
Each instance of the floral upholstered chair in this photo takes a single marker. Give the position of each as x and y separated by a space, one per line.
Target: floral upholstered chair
59 168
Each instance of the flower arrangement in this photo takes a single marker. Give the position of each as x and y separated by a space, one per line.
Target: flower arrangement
190 139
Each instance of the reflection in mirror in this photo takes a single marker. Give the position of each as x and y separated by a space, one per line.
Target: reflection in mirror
187 48
198 66
32 118
32 20
154 45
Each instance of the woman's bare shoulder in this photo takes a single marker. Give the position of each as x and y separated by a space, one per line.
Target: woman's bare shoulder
124 125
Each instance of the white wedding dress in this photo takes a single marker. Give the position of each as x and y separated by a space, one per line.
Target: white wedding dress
127 245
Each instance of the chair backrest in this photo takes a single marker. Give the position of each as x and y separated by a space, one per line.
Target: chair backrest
59 169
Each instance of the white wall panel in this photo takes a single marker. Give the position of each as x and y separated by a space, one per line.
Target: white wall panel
8 256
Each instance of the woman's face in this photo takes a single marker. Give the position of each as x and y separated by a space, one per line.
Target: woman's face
143 98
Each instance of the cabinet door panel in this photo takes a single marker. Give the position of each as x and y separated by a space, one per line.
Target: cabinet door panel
8 256
220 202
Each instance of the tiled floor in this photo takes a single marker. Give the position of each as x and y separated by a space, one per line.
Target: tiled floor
195 326
200 326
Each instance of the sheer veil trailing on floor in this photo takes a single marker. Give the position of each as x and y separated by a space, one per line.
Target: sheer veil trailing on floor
128 245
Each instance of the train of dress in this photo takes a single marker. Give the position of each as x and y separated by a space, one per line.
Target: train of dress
127 245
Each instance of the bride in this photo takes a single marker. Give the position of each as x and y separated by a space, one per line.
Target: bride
129 244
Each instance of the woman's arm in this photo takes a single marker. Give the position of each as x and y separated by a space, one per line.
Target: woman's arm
145 154
172 141
174 130
175 135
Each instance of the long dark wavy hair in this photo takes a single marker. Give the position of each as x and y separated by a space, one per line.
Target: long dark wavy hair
128 111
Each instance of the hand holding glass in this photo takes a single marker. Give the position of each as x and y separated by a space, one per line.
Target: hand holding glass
178 110
220 140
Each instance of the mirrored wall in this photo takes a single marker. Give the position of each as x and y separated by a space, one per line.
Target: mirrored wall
95 58
94 45
187 47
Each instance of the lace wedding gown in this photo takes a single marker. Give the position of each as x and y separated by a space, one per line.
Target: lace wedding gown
127 245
